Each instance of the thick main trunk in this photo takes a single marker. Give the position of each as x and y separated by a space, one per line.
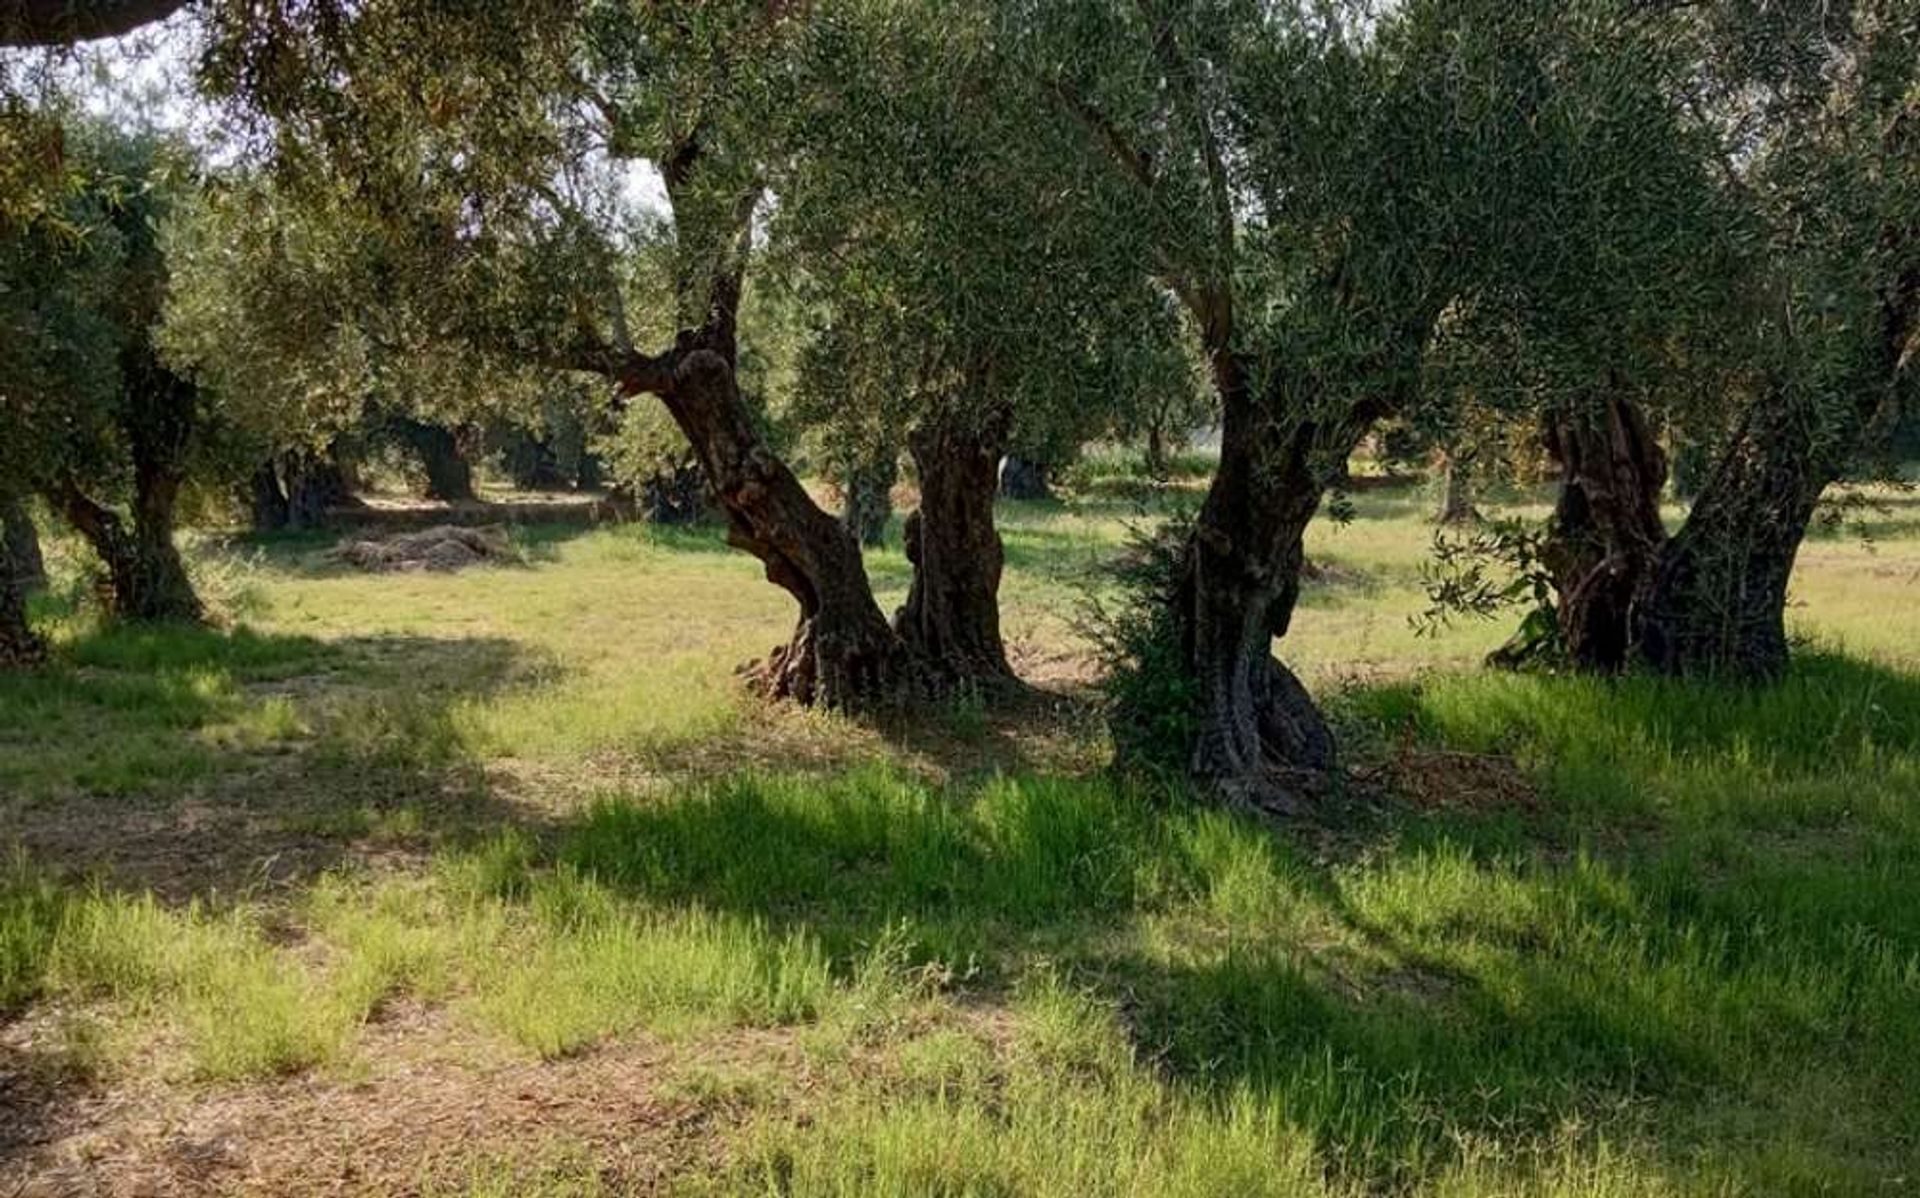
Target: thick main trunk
1717 603
1259 740
951 620
842 653
1606 536
449 475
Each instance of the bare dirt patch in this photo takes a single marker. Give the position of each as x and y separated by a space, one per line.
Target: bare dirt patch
425 1106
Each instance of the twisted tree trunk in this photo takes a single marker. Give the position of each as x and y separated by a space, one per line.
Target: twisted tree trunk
1259 739
1025 478
842 654
1606 536
951 620
317 485
147 580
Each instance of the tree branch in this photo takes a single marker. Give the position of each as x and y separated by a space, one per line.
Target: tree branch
69 22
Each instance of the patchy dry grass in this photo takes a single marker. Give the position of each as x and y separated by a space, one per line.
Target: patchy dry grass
493 884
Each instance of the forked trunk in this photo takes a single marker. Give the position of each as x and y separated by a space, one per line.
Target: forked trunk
1717 603
146 578
951 620
1606 536
842 653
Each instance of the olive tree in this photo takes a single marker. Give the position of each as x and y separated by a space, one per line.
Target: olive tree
1322 183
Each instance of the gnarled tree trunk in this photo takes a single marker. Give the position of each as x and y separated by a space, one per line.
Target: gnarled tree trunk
1259 741
1717 603
951 620
842 653
1606 536
147 579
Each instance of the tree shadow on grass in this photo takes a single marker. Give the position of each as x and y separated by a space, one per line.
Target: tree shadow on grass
1434 982
193 762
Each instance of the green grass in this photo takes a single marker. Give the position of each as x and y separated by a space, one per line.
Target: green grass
534 821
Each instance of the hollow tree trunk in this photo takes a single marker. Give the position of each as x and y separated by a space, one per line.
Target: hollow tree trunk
842 654
1259 740
19 645
1606 535
1716 605
868 502
21 547
449 475
951 620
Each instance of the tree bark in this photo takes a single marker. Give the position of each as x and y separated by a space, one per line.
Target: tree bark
951 620
1260 742
1606 535
868 501
146 579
